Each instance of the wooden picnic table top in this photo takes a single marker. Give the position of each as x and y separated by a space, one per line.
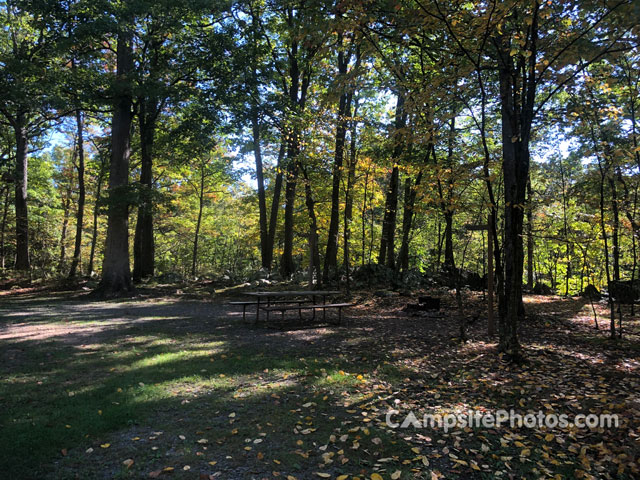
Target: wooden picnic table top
292 293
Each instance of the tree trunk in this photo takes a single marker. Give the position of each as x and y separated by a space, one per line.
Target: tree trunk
529 237
331 255
198 223
3 226
96 213
275 208
66 203
615 229
348 201
116 274
313 228
287 265
387 247
262 201
77 250
22 215
515 165
143 242
407 220
297 97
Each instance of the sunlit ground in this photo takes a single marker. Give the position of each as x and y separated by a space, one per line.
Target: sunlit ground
155 388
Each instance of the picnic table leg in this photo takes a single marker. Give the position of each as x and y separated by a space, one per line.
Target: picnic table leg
300 310
244 311
324 310
258 311
268 311
313 302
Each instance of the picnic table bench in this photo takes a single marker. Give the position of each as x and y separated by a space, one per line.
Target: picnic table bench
285 301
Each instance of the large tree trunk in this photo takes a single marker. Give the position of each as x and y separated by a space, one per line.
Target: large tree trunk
77 249
116 274
515 165
143 242
387 242
22 215
331 255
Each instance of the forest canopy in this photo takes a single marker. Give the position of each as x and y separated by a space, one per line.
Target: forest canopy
330 141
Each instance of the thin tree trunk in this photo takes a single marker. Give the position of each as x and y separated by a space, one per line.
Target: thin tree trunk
116 274
96 213
331 255
529 236
387 241
77 250
348 208
297 98
198 223
65 224
313 228
3 227
275 208
262 201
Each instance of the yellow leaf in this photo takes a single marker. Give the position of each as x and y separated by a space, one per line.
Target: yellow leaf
323 475
395 475
548 437
128 462
343 477
376 476
105 445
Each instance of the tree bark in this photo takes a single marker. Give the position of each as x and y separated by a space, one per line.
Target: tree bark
386 255
66 203
77 250
116 274
3 226
275 208
262 201
22 214
96 213
529 236
143 242
331 255
198 223
348 201
313 229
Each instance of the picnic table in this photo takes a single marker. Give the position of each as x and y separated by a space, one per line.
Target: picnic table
283 301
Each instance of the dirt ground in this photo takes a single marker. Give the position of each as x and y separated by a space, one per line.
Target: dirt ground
414 358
